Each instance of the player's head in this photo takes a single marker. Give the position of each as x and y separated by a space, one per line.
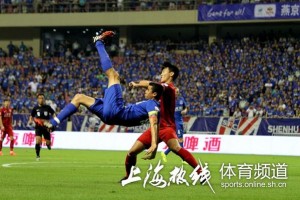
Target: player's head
41 99
176 91
6 102
154 91
169 72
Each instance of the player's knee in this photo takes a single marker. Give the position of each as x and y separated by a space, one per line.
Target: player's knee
38 140
174 146
113 74
78 98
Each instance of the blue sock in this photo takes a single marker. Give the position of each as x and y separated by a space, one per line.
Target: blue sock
181 144
66 112
104 58
167 151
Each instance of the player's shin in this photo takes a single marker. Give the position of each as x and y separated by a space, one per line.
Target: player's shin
11 145
104 58
37 149
188 157
48 144
66 112
129 162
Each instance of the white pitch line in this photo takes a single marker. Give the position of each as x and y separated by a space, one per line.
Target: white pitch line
7 165
10 164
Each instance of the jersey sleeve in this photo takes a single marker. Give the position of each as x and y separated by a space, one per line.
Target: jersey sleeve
33 112
152 107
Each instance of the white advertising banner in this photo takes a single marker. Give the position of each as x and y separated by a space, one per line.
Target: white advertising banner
229 144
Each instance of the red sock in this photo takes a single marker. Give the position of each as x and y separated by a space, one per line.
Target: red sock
129 162
1 145
11 145
188 157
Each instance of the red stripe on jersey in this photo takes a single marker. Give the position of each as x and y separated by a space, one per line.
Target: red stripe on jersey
167 106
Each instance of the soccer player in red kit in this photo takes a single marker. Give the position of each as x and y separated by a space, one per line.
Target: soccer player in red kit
6 114
167 127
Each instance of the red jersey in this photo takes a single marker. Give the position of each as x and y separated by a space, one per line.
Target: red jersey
167 106
6 116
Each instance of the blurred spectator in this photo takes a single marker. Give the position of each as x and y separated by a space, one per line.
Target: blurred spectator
251 111
259 112
11 49
237 113
33 86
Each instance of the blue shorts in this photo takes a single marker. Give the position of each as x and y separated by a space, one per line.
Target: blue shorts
179 131
113 103
108 108
97 108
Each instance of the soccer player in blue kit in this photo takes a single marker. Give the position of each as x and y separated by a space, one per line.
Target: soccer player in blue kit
180 109
111 109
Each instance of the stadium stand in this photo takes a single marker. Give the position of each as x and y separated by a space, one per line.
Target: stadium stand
245 66
60 6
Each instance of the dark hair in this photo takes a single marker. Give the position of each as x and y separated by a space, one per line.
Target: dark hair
172 68
158 88
40 94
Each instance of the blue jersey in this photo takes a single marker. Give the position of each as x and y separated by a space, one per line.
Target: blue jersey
138 113
180 106
111 109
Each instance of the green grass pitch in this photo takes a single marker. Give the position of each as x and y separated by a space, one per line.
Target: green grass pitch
83 174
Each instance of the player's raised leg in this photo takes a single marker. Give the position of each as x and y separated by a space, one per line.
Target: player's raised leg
112 74
72 107
113 100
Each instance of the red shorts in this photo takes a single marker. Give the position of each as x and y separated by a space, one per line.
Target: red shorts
165 134
7 130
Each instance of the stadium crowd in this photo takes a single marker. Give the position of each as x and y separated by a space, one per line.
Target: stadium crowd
260 73
50 6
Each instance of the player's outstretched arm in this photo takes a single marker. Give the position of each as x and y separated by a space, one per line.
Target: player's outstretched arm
141 83
151 152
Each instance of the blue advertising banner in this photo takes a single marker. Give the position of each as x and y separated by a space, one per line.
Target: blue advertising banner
246 126
228 12
280 127
198 125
